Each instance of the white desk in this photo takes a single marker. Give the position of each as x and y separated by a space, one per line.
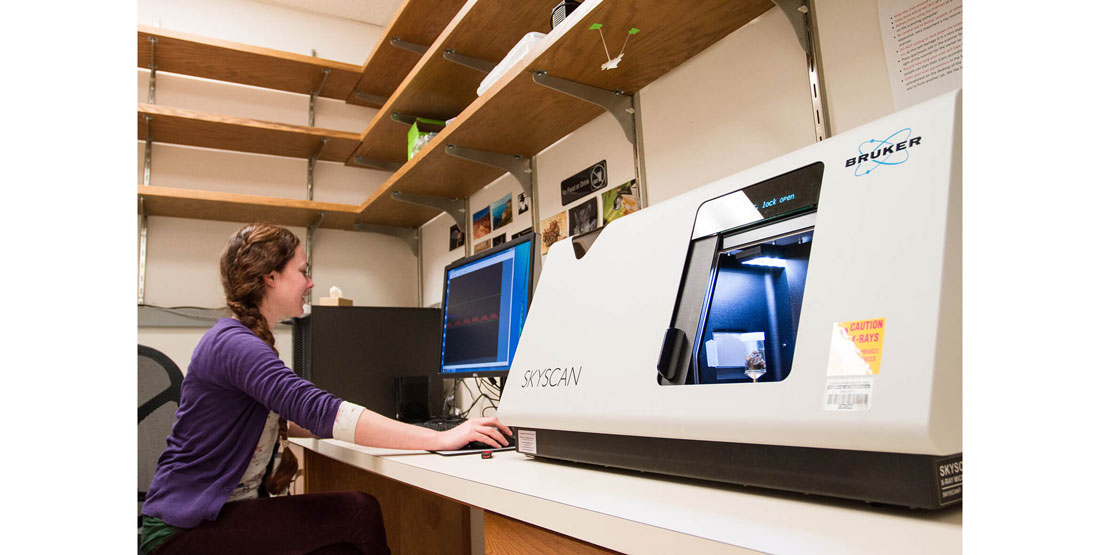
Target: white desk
643 513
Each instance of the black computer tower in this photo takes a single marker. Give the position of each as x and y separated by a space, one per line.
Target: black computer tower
362 353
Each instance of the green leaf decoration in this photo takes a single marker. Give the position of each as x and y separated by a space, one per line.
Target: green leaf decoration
633 31
595 26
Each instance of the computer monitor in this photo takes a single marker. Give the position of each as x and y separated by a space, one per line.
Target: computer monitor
485 300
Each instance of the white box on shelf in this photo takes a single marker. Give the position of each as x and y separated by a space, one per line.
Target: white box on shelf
516 54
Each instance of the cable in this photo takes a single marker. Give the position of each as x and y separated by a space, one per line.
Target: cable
492 402
472 403
492 385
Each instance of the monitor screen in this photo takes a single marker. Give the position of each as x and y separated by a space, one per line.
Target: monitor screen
485 300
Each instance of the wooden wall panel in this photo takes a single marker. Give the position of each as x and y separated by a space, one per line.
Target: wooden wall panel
508 536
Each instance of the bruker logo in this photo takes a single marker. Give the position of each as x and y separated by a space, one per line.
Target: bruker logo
891 151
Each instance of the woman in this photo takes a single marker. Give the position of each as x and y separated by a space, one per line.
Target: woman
211 491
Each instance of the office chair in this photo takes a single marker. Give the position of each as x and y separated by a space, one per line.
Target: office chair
159 381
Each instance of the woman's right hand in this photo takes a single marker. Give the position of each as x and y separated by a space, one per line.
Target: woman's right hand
486 429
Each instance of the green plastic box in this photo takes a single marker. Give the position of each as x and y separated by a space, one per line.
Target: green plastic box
422 131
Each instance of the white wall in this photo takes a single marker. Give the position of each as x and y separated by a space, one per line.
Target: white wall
741 102
853 63
266 25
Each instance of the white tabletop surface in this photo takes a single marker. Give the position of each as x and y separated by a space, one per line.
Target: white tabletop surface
635 512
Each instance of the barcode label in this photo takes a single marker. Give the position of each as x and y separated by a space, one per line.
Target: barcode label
526 443
848 393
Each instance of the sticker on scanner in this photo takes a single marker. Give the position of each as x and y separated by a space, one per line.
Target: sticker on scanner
526 442
848 394
855 348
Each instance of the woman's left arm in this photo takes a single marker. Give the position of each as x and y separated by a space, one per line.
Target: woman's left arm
294 430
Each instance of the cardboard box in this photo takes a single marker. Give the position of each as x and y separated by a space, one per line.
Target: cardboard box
335 301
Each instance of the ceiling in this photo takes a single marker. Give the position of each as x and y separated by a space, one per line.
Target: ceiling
375 12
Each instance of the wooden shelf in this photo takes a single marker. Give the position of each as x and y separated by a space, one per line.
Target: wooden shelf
416 21
518 116
440 89
515 116
188 127
188 54
228 207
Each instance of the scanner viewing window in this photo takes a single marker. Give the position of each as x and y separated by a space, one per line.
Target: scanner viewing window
748 330
740 298
485 299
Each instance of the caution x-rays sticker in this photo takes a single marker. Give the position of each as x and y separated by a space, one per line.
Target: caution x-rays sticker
855 357
856 348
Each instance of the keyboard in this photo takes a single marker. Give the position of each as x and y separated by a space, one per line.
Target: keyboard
441 425
473 446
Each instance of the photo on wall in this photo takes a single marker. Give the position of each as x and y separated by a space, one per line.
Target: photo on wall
584 217
502 211
483 223
522 232
499 239
478 247
620 201
522 204
458 238
553 230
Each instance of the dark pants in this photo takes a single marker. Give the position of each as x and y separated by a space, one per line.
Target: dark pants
317 523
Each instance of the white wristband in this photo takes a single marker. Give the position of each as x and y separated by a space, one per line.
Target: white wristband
347 416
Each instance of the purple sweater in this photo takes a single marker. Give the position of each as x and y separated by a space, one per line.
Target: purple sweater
233 381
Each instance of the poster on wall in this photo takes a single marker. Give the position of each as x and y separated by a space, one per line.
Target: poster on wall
478 247
522 203
458 238
522 232
584 217
499 239
585 182
553 230
483 223
922 40
502 211
620 201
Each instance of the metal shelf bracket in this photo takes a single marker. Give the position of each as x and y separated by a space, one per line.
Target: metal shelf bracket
800 14
403 118
618 103
455 207
483 66
796 11
152 70
410 235
142 252
377 99
410 46
315 92
386 165
148 152
312 165
309 245
518 166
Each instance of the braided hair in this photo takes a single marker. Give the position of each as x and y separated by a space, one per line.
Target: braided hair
253 252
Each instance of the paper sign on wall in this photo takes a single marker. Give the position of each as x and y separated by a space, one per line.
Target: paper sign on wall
922 40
